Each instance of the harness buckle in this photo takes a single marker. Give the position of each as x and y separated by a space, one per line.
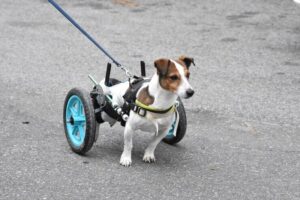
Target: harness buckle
140 111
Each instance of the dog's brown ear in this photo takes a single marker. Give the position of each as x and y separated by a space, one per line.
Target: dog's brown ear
187 61
162 66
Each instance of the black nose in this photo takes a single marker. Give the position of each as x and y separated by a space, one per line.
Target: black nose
189 92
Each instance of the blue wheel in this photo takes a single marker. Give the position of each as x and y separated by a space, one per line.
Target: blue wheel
171 137
79 120
170 134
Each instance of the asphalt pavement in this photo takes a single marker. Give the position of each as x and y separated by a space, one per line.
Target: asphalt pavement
243 136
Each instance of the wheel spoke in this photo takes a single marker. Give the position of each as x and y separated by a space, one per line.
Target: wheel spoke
80 108
70 128
81 132
74 131
73 111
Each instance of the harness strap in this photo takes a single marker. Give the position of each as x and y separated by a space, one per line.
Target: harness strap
142 109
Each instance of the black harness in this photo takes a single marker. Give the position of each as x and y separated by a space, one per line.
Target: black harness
130 98
134 86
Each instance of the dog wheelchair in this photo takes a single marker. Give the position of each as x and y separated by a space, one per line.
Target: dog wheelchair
83 110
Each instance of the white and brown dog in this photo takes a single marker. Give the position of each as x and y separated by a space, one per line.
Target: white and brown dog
161 92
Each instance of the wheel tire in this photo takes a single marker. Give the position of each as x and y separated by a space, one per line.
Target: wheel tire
181 129
79 120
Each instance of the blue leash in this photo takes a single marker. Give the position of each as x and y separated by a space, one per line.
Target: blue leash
85 33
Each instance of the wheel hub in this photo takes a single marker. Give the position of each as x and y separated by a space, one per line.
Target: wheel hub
71 120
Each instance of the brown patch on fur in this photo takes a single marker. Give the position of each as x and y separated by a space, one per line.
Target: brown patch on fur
162 65
144 96
169 77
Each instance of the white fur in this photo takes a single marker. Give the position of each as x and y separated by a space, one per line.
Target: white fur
163 99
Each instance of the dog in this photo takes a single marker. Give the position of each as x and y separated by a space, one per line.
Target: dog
170 81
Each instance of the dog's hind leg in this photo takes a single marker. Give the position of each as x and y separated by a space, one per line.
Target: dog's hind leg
126 155
149 152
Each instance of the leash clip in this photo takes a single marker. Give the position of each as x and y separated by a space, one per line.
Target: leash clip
127 72
177 103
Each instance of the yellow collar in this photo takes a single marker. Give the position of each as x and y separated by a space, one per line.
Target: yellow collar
155 110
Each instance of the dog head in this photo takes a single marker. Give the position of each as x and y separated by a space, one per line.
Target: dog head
174 75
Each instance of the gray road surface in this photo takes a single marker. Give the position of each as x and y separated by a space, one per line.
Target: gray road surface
243 138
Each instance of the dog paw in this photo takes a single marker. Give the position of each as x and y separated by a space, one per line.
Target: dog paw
125 161
149 158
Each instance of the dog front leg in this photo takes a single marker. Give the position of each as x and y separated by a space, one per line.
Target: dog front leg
126 155
149 152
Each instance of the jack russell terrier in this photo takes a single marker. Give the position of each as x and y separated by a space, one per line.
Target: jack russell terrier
160 93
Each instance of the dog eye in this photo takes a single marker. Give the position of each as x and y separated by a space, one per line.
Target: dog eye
174 78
